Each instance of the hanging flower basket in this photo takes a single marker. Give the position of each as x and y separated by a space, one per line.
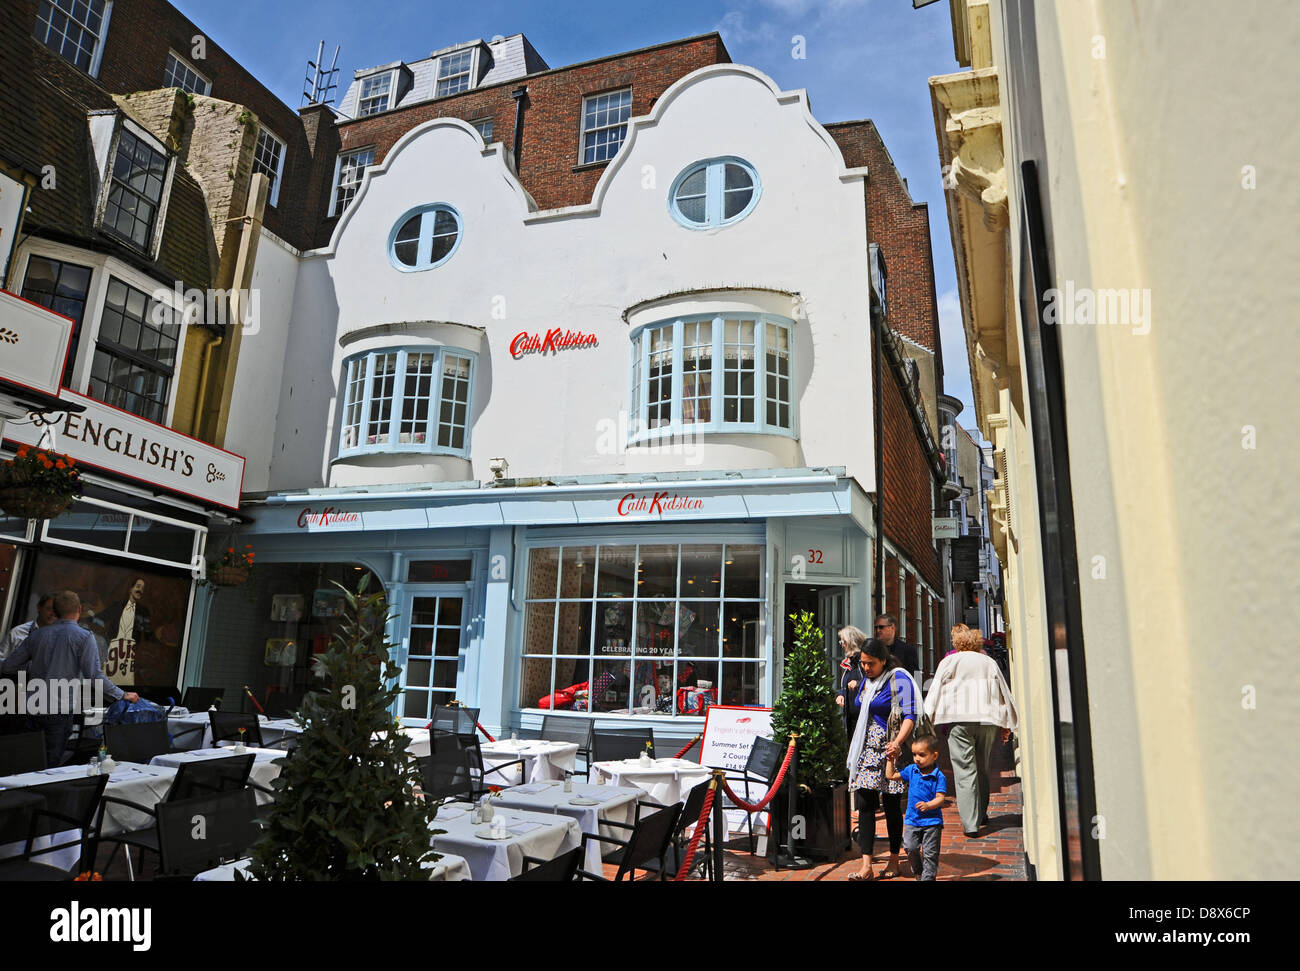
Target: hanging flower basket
231 569
36 484
229 576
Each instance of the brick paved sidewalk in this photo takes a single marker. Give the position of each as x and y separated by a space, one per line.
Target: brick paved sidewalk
998 853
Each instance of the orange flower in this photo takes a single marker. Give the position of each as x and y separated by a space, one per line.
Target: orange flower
230 549
59 464
22 451
71 460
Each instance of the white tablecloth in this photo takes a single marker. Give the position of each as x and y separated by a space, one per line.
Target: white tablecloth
665 781
547 836
264 769
419 746
543 760
615 805
143 784
450 867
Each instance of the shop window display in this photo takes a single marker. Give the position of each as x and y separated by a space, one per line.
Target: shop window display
652 628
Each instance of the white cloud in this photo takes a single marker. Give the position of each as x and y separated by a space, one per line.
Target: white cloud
736 30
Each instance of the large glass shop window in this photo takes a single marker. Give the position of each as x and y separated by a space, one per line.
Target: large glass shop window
650 628
137 615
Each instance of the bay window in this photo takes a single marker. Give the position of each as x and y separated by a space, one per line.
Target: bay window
650 628
407 400
712 373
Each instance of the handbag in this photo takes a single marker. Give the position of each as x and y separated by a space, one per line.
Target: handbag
922 724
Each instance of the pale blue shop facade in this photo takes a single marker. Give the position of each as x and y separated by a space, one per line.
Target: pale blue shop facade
502 595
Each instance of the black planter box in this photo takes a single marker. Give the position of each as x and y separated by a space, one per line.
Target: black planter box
826 813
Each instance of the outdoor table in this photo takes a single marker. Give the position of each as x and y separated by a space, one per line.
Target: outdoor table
419 746
666 781
613 806
541 835
264 767
143 784
543 759
273 730
450 868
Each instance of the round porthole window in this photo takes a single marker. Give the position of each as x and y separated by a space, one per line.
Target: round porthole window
714 193
424 237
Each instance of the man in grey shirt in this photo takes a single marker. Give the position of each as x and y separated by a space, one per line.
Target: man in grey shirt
61 651
16 635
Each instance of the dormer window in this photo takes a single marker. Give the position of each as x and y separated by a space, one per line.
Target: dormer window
135 189
455 73
376 94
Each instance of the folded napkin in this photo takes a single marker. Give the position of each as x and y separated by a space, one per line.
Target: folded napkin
519 829
529 789
450 814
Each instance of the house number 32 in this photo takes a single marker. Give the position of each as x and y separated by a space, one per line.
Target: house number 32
815 556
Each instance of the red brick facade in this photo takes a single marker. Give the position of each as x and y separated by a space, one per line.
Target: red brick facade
549 160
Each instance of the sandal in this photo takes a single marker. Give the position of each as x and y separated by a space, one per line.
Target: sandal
889 874
861 877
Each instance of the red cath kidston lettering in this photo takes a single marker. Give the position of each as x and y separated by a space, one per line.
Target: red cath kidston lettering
555 340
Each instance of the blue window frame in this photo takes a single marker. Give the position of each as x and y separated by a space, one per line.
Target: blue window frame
410 399
424 237
712 373
715 192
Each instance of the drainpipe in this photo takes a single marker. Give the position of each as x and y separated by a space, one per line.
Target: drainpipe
878 594
520 95
203 383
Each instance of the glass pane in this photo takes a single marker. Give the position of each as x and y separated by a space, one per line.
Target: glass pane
578 576
701 571
613 628
447 641
543 567
420 642
611 684
657 571
163 541
693 184
742 630
692 209
744 577
415 704
654 628
539 628
574 635
449 609
734 203
406 253
418 672
535 682
617 568
444 674
738 178
424 610
697 628
740 684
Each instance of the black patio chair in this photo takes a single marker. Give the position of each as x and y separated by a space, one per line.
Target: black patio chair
68 804
445 771
284 704
484 776
229 829
194 780
610 744
558 729
562 869
647 842
20 753
198 698
762 767
675 854
137 743
455 719
226 726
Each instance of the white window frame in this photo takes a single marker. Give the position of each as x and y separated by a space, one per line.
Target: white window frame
207 85
106 188
391 74
638 428
131 514
584 131
359 370
97 54
479 123
335 208
472 73
274 197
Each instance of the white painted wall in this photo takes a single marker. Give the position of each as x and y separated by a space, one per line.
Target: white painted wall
581 269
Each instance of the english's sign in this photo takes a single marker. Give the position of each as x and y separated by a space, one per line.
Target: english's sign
117 441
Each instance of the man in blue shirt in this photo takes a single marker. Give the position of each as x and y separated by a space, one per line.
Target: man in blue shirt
60 652
926 793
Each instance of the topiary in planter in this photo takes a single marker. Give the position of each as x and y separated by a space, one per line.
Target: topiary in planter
807 706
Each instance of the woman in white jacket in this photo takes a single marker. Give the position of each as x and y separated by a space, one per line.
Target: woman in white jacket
969 695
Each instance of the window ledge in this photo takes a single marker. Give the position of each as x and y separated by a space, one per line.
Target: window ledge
592 165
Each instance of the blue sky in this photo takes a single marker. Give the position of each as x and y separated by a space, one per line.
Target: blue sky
864 59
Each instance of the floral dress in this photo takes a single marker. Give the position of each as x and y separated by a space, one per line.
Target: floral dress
870 772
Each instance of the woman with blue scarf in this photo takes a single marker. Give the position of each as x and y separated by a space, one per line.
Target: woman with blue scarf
882 678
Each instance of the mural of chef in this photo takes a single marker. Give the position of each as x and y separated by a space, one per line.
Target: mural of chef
126 625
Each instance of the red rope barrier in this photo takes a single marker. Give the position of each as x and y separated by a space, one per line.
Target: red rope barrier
762 804
260 709
701 827
484 731
689 745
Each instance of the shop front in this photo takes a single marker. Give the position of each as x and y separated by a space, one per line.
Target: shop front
132 547
626 601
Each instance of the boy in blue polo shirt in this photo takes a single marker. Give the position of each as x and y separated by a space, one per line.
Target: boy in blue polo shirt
926 792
